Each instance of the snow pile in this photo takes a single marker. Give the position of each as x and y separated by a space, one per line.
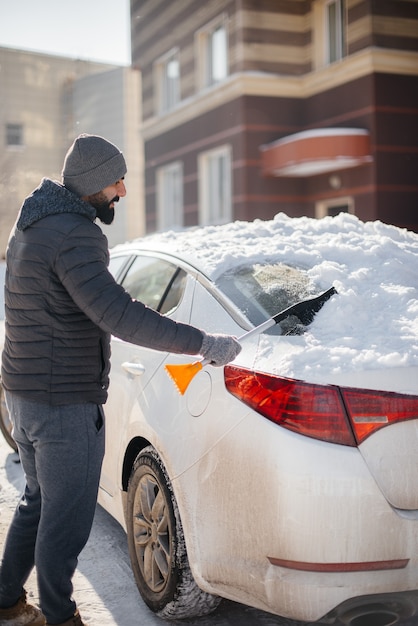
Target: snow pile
373 321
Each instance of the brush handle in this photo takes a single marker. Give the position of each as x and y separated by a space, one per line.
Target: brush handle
254 331
258 329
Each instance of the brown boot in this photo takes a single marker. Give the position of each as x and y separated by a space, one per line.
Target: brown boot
21 614
75 620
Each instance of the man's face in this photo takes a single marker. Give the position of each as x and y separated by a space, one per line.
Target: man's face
104 201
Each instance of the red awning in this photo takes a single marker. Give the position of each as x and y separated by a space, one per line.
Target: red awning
316 151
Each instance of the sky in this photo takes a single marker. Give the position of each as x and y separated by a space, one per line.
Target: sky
95 30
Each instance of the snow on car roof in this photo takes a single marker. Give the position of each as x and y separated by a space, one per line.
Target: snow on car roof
328 246
371 323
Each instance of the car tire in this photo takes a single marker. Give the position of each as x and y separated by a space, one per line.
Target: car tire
5 422
156 544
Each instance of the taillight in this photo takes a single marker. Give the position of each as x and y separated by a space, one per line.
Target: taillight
313 410
326 412
371 410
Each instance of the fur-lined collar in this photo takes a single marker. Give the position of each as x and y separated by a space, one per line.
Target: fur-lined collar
51 198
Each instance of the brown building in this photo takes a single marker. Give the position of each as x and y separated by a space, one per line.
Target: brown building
254 107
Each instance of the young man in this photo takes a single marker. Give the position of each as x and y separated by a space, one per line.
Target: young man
62 305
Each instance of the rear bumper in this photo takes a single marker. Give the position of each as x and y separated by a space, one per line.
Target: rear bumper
374 609
313 531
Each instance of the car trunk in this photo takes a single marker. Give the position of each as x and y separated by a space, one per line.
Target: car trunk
390 448
391 451
391 456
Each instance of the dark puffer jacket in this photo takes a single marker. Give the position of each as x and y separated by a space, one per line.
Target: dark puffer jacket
62 304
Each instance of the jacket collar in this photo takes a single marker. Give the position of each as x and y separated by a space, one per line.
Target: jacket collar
51 198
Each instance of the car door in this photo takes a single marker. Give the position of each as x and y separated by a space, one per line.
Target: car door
160 284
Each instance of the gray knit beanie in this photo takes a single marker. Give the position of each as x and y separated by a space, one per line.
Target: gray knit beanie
91 164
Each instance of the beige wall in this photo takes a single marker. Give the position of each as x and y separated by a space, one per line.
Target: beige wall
53 100
108 104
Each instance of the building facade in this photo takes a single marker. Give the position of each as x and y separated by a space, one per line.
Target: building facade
45 102
255 107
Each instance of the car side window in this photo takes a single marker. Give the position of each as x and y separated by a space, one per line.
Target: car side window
116 263
155 282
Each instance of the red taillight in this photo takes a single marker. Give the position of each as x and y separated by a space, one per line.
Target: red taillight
313 410
371 410
326 412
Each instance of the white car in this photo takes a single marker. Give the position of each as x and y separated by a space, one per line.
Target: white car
287 480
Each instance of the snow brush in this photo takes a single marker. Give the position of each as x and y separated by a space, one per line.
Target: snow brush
183 374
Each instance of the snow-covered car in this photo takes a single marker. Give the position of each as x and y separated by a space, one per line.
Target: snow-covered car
5 423
286 480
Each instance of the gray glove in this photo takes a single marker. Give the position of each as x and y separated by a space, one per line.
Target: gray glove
219 349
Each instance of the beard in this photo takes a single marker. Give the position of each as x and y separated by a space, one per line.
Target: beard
104 212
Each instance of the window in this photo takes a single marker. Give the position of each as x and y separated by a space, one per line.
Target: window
260 290
167 73
329 24
334 16
14 135
116 263
217 55
215 195
156 283
170 196
212 44
334 206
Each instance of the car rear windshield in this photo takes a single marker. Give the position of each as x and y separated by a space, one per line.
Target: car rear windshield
261 291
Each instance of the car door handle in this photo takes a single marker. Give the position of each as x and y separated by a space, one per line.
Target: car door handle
136 369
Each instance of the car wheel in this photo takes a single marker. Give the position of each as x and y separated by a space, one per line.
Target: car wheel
156 544
5 421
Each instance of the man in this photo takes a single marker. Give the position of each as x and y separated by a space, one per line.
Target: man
62 305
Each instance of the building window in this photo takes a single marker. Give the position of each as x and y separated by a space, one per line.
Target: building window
334 206
217 55
329 25
334 28
167 78
14 135
212 52
170 196
215 195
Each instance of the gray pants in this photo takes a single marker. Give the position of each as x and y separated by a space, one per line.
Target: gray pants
61 450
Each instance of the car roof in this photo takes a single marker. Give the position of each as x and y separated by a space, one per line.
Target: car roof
214 250
160 247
